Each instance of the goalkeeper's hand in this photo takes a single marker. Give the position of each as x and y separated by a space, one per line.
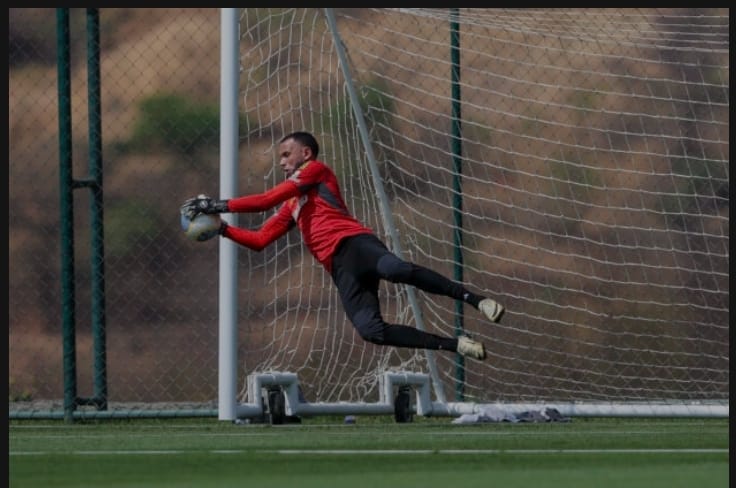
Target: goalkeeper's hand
202 204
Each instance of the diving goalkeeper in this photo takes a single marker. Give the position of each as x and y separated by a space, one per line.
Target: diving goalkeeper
356 259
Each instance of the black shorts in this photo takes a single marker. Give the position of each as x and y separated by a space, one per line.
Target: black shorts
361 261
355 272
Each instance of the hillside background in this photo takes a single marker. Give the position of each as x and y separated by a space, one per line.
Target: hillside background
546 197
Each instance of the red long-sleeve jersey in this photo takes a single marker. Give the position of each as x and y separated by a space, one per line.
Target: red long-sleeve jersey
310 199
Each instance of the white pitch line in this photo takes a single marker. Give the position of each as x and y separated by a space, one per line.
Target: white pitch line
496 451
378 451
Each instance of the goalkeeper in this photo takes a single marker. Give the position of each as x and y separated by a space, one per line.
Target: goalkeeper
356 259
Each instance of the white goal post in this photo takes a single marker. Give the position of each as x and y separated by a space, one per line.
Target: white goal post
570 163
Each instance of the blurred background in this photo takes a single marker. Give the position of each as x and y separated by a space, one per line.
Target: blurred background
596 191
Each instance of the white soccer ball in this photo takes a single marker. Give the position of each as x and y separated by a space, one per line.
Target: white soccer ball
202 227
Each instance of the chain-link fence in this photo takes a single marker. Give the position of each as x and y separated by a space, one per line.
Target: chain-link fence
160 134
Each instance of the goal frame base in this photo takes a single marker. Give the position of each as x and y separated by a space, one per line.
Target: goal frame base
423 405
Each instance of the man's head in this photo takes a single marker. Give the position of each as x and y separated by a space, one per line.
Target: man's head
295 149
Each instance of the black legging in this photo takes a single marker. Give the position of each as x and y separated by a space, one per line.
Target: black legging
359 264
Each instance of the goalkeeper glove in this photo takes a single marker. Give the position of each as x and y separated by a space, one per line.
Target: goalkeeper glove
203 204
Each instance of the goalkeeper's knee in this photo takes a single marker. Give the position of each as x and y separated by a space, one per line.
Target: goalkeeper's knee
370 326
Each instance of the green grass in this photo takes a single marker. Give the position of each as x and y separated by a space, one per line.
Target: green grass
375 453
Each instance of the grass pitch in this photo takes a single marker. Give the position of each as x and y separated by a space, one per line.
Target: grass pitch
373 452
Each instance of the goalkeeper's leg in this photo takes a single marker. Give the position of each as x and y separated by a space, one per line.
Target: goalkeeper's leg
372 328
394 269
361 304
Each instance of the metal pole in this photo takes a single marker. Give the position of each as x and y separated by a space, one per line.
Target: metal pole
67 214
457 195
228 277
96 210
382 198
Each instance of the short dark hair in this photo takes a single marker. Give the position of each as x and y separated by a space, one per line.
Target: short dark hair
305 139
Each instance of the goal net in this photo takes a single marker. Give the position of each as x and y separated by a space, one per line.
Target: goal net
570 163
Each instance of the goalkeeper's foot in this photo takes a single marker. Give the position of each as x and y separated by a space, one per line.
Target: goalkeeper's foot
491 309
470 348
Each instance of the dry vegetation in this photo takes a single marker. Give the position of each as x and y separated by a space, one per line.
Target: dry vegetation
148 51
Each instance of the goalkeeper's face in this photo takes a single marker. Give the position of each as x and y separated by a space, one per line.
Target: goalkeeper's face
292 155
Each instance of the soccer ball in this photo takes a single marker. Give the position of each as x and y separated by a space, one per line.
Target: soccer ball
202 227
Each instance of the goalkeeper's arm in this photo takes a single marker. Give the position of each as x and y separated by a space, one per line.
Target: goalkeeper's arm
263 201
272 229
249 203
